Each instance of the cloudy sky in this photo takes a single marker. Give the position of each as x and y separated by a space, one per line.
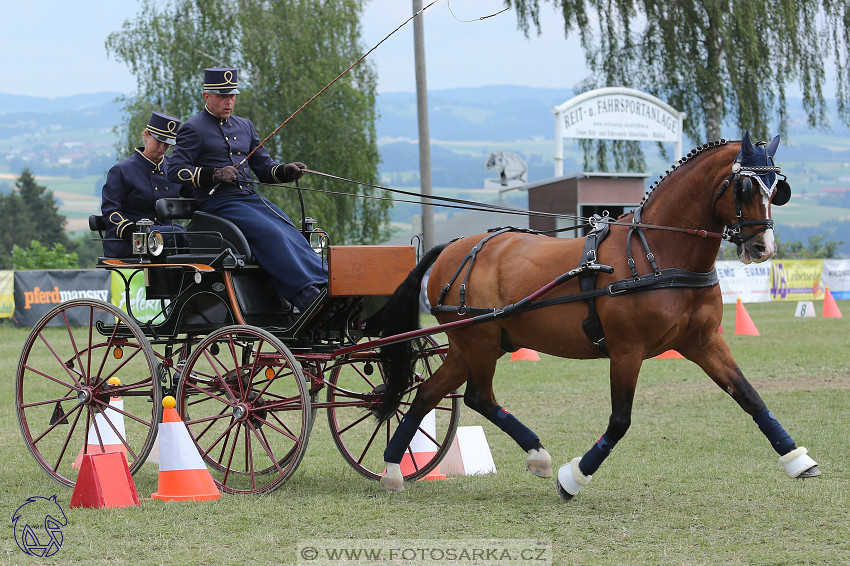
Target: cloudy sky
56 48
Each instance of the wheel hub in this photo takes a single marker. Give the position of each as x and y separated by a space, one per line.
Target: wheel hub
85 396
240 411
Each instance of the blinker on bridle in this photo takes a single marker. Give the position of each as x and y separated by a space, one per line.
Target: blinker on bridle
742 179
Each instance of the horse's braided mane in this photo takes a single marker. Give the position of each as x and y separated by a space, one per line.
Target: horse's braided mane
691 155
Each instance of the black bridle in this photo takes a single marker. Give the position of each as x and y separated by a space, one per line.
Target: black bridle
744 191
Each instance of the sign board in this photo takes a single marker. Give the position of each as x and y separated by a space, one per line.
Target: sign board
616 113
796 279
805 309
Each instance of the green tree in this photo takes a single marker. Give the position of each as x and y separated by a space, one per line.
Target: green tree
286 52
86 249
716 60
26 214
43 209
820 247
38 256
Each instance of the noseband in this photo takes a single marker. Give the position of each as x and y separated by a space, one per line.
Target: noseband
744 192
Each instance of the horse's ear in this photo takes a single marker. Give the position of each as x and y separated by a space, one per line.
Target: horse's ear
773 146
746 144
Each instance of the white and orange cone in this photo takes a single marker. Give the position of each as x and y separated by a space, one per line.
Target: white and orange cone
183 476
423 449
111 440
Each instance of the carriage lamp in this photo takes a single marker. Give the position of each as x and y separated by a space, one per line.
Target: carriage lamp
147 241
317 237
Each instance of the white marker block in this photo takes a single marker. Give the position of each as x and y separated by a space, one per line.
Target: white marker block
469 454
805 309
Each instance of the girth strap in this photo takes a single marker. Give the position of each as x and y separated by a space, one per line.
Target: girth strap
587 279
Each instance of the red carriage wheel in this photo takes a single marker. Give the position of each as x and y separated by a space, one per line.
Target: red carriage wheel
246 403
355 384
65 405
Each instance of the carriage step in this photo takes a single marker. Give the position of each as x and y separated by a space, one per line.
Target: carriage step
58 415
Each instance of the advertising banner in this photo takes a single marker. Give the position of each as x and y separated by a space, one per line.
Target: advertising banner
836 276
796 279
7 293
36 292
142 309
750 283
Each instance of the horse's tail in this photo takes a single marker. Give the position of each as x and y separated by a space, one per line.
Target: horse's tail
399 315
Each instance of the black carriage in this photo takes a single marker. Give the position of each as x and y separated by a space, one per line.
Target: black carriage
249 371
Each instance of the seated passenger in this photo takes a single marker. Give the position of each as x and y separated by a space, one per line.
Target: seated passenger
209 147
135 184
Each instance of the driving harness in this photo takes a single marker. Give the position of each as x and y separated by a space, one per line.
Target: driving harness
587 272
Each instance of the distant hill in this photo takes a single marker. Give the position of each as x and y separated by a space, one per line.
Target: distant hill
12 103
494 113
72 136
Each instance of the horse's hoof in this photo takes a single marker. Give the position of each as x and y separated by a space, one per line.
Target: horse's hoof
539 463
812 472
798 464
570 479
392 480
393 486
565 495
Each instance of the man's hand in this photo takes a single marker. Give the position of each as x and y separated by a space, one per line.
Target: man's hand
227 174
294 170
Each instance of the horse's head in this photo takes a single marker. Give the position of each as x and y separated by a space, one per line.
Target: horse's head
491 161
754 184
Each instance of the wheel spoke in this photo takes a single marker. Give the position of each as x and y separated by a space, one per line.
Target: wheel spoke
353 390
250 429
90 352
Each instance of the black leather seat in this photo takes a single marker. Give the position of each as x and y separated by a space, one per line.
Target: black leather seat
209 235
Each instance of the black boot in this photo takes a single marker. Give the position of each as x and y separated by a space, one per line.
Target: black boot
305 297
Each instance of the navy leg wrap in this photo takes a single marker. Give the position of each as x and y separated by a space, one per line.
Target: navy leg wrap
521 434
401 439
770 427
594 457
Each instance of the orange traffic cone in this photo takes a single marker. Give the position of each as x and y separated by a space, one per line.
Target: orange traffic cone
743 323
183 476
669 354
720 329
525 354
423 449
112 439
830 308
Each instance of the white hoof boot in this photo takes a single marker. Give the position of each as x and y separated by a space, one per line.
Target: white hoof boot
570 479
539 463
393 480
798 463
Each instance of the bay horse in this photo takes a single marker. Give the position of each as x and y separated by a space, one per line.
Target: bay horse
636 305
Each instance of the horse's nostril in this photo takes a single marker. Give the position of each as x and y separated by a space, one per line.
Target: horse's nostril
759 249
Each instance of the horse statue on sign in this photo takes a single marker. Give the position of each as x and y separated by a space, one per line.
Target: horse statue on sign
505 290
510 166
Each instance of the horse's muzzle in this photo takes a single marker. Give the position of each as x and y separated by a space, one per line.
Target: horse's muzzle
757 249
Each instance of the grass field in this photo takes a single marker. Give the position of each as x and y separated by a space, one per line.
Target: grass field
693 482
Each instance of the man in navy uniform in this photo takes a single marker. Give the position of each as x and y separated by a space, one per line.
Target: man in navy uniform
209 155
134 185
